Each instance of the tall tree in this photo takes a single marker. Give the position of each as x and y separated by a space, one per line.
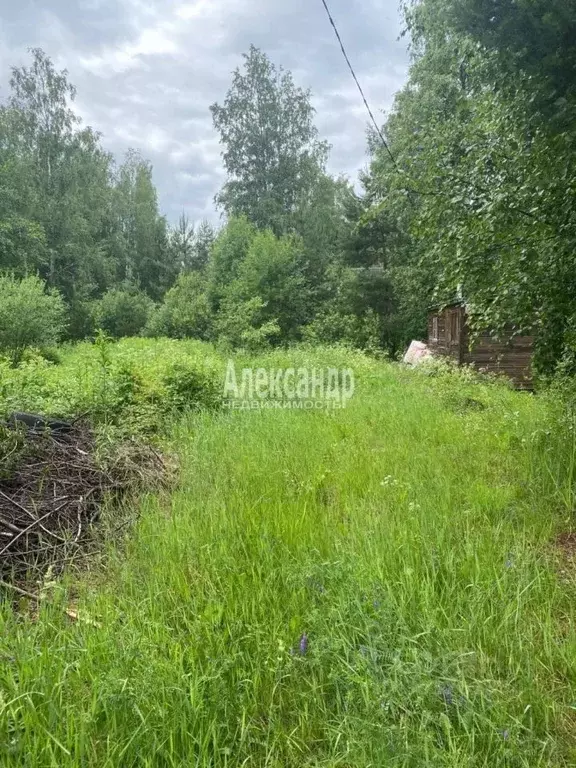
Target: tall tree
271 149
182 243
203 242
191 246
484 142
66 213
142 249
67 173
22 239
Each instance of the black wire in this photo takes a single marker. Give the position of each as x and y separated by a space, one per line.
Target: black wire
351 68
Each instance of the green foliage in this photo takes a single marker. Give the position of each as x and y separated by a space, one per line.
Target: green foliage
122 312
484 137
89 227
204 240
536 38
272 271
142 250
29 315
185 311
63 180
82 321
192 387
320 222
277 187
368 237
126 388
22 245
256 286
191 246
50 354
240 325
365 309
271 151
66 212
228 253
182 243
331 326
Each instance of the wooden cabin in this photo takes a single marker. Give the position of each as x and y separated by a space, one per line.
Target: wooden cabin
449 335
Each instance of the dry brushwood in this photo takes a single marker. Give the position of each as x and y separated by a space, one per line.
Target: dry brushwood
51 491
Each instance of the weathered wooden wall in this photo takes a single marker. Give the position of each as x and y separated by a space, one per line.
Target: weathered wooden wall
512 357
448 342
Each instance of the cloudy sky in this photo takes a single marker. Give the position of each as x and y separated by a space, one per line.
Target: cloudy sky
147 71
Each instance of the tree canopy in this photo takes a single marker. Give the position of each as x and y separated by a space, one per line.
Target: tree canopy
271 150
483 138
475 194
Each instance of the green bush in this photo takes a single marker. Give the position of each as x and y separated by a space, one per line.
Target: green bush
240 325
191 387
185 312
29 315
50 354
332 327
81 316
273 271
116 383
122 312
120 387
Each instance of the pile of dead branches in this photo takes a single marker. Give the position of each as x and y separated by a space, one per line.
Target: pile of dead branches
52 488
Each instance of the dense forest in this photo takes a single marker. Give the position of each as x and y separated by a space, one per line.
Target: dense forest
470 188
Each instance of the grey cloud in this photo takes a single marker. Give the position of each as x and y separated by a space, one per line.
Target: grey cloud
147 71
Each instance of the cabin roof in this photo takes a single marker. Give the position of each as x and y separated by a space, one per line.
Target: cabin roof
455 302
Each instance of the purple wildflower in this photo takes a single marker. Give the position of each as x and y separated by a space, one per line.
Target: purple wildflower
447 694
303 644
318 586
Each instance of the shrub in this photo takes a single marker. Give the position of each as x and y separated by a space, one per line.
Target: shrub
122 312
81 316
116 383
29 315
122 386
240 325
185 312
191 387
331 327
273 270
120 402
50 354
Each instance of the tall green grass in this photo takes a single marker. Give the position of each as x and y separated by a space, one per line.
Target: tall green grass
372 586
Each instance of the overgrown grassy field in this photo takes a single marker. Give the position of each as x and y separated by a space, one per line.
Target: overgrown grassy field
373 586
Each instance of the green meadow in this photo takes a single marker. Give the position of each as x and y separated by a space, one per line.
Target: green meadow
376 585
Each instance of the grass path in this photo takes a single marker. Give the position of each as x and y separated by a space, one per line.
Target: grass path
368 587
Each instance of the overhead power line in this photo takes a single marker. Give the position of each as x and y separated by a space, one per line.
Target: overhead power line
351 68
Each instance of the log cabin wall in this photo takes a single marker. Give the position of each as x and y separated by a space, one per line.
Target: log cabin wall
449 335
512 358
